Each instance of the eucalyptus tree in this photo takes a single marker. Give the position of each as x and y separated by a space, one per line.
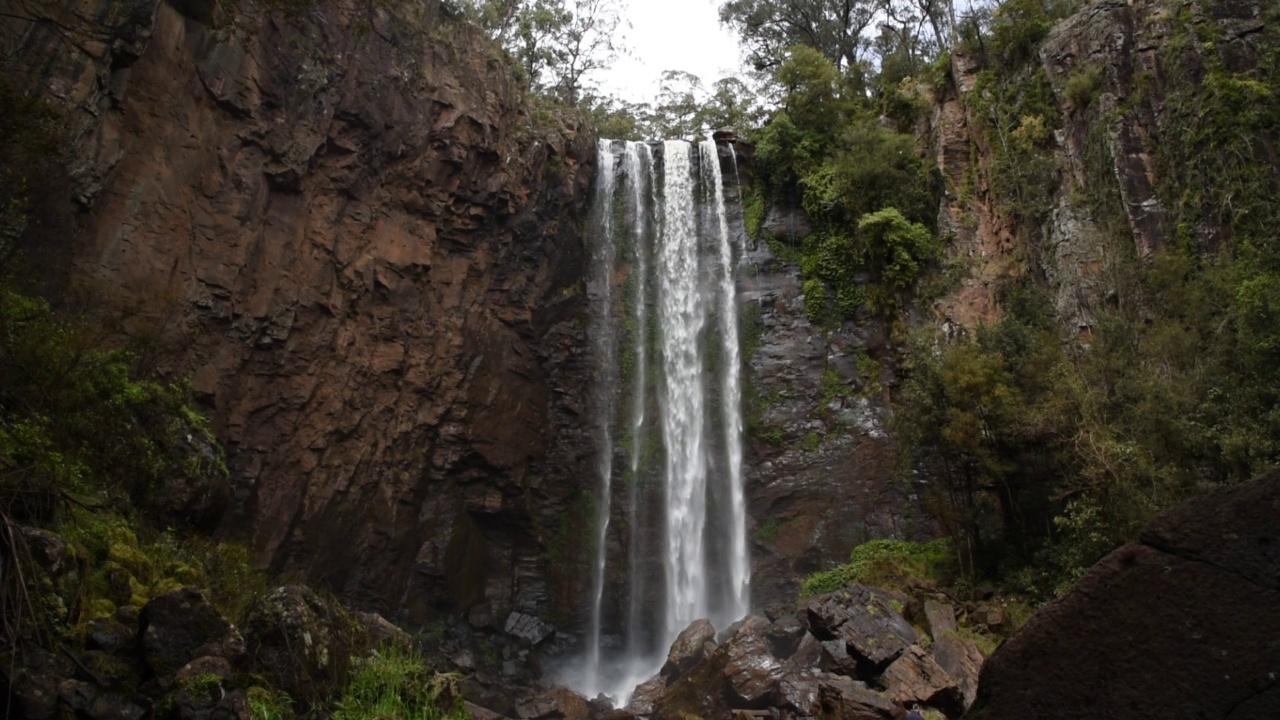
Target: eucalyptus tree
557 44
768 28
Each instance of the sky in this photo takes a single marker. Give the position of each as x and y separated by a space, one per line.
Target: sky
670 35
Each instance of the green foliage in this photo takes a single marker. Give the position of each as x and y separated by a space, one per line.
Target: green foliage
815 301
886 563
896 249
74 421
265 704
393 683
767 532
809 82
1083 86
1020 25
158 562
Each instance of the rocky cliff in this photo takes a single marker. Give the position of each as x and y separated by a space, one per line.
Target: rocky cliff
346 226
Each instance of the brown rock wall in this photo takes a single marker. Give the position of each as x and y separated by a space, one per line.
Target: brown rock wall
347 229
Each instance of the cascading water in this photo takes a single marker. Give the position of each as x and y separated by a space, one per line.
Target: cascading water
669 397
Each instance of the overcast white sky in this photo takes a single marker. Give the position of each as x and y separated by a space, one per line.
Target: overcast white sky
670 35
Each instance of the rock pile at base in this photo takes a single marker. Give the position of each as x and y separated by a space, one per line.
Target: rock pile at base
846 655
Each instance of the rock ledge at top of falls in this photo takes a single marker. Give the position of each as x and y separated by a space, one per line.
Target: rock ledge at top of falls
346 227
1182 623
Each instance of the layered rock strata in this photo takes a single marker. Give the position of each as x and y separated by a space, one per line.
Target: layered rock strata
343 224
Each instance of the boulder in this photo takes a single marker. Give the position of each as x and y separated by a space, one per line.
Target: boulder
528 628
962 660
784 635
941 618
377 631
866 620
645 698
180 626
915 677
299 641
753 673
1183 622
558 702
30 686
110 635
808 653
835 658
844 699
689 647
89 701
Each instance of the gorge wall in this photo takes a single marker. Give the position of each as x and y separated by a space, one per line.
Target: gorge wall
346 226
363 246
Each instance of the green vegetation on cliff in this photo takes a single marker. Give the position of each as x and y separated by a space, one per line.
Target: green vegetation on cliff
1051 453
1045 444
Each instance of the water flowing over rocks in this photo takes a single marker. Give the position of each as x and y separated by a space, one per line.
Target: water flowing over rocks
1184 619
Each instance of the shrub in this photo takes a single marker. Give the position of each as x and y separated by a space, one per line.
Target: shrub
393 683
885 563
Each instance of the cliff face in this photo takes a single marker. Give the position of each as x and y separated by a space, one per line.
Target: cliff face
345 226
1116 104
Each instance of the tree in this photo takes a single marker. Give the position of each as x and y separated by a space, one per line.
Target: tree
557 44
769 28
586 43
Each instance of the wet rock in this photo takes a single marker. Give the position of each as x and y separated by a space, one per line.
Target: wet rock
299 641
479 713
753 673
844 699
798 692
645 698
784 635
787 223
49 551
808 653
916 677
558 702
689 647
835 658
528 628
179 626
1183 620
865 619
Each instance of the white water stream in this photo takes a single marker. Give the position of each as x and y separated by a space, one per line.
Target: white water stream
669 396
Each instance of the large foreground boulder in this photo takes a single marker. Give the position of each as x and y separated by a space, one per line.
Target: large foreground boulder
1183 623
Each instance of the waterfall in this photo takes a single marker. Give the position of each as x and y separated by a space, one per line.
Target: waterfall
638 170
604 344
668 399
730 390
